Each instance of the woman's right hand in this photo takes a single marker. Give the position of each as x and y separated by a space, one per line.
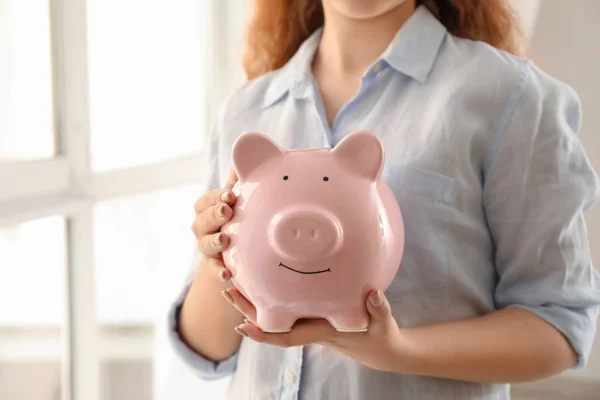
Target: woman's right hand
206 321
213 210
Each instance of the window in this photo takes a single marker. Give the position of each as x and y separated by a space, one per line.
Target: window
33 318
139 240
103 110
25 81
147 83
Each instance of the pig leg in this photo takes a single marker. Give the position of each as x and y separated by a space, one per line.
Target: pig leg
275 320
350 320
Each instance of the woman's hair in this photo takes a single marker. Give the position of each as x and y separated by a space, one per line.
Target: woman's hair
279 27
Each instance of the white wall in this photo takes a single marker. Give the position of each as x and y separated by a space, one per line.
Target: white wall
565 44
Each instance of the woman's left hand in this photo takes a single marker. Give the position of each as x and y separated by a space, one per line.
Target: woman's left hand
382 347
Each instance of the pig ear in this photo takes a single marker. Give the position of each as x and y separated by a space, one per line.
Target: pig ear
250 151
361 152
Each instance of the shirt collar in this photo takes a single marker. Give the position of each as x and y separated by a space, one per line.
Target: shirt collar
296 75
413 52
416 45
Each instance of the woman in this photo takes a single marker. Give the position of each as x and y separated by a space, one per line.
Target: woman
496 284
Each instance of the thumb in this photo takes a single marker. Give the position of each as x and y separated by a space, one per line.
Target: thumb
378 307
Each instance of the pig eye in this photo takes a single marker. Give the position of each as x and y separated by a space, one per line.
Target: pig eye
285 178
325 178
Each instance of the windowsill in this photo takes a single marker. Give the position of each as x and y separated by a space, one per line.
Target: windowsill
46 343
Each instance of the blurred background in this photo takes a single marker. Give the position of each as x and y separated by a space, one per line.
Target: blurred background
104 105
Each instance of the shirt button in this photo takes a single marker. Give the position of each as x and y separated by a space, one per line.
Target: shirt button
289 378
377 67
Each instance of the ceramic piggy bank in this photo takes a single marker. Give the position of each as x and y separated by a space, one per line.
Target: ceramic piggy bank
313 231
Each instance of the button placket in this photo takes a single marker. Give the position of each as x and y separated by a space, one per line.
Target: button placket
377 67
289 377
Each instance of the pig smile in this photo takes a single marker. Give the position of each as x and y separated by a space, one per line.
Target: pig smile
302 272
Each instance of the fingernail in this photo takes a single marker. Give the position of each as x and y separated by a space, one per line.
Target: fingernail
227 296
218 239
221 210
222 275
376 299
241 331
226 196
247 321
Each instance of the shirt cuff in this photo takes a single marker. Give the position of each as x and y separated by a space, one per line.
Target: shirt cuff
205 369
578 325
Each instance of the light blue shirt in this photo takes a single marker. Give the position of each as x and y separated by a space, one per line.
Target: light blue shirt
483 156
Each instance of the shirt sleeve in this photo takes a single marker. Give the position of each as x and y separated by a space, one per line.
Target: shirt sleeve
205 369
537 186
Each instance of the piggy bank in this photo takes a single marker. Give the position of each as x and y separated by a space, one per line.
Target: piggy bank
313 231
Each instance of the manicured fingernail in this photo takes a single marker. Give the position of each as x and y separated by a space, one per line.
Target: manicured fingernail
227 296
241 331
226 196
222 275
218 239
221 210
376 299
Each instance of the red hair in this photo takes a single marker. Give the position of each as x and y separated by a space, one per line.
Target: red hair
279 27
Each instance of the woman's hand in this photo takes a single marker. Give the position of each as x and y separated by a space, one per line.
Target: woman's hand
213 210
206 322
381 347
510 345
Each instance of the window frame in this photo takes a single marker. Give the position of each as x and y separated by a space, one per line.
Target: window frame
67 186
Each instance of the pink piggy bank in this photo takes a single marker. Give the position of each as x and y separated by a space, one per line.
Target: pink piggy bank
313 231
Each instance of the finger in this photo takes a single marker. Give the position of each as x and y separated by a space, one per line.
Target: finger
211 220
211 245
231 179
218 268
378 308
303 333
240 302
213 197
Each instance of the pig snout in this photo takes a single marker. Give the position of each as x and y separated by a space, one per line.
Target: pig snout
305 234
